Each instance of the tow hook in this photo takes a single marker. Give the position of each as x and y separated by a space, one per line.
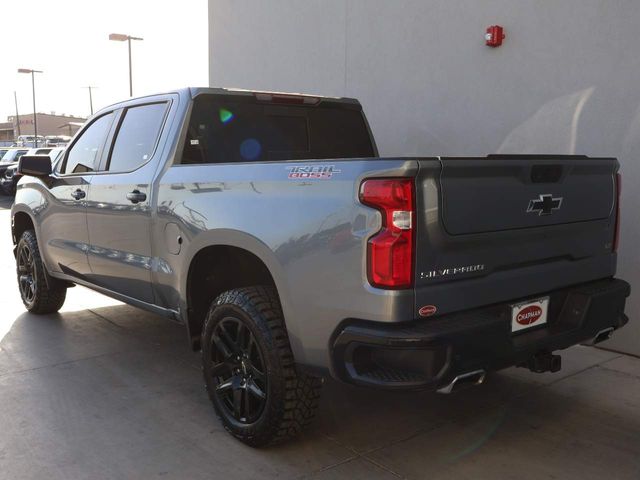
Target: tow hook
544 362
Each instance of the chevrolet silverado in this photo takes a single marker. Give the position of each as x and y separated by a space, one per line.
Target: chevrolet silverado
267 224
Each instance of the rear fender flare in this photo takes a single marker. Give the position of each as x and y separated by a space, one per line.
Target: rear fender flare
238 239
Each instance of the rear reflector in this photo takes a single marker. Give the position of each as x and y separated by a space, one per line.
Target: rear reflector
616 235
390 251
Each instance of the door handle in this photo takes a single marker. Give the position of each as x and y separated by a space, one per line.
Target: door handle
136 196
78 194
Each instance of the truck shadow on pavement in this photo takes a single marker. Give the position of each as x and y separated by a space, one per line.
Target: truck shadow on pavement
116 392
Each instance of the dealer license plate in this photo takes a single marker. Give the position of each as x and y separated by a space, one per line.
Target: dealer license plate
529 314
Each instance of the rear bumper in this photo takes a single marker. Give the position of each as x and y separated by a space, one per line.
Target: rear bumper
430 353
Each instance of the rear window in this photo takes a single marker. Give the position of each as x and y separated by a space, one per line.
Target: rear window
137 136
225 130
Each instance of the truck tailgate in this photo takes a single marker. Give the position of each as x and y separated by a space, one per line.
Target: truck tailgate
500 228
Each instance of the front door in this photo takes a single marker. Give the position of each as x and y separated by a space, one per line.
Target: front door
65 224
119 208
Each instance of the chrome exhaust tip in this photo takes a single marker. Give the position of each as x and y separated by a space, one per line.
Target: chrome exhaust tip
471 378
601 336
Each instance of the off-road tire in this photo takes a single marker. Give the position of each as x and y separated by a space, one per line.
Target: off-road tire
48 294
291 396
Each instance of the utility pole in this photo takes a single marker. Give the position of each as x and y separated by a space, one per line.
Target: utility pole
15 99
90 98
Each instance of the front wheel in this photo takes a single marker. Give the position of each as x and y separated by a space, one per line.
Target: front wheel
249 371
40 293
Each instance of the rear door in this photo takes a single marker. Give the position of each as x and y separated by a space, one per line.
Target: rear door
505 227
119 208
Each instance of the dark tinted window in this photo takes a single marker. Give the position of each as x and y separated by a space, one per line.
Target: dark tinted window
242 129
83 155
137 136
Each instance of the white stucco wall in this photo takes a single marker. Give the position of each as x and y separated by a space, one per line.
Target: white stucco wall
566 80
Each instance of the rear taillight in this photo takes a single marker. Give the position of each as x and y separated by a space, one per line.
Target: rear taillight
390 251
616 235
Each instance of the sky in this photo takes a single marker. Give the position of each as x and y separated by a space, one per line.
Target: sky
68 41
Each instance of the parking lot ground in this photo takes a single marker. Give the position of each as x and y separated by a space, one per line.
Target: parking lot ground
103 390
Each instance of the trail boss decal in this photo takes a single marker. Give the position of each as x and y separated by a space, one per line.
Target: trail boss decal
317 172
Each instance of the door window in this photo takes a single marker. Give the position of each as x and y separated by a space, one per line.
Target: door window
83 157
137 136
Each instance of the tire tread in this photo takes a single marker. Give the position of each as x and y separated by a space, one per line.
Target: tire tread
301 391
51 293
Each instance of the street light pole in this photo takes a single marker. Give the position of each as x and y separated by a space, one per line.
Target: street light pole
130 70
120 37
35 117
33 87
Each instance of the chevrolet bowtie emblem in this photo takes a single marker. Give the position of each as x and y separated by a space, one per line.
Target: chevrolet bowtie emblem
544 204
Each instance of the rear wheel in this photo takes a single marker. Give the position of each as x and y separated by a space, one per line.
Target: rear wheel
40 293
249 371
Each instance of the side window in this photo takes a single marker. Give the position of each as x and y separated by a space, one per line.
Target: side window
136 137
19 154
83 155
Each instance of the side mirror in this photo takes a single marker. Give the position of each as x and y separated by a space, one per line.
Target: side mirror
35 165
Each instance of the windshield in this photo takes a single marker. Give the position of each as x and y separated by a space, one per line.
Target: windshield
10 155
2 152
239 129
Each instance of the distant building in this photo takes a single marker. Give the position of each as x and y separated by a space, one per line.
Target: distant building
6 132
70 128
48 124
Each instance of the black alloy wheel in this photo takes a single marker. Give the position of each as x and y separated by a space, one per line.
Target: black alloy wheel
40 292
26 274
252 380
239 369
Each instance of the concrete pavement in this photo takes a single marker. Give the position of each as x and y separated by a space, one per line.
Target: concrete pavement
105 391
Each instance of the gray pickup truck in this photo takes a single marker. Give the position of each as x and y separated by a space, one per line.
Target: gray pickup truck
268 226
